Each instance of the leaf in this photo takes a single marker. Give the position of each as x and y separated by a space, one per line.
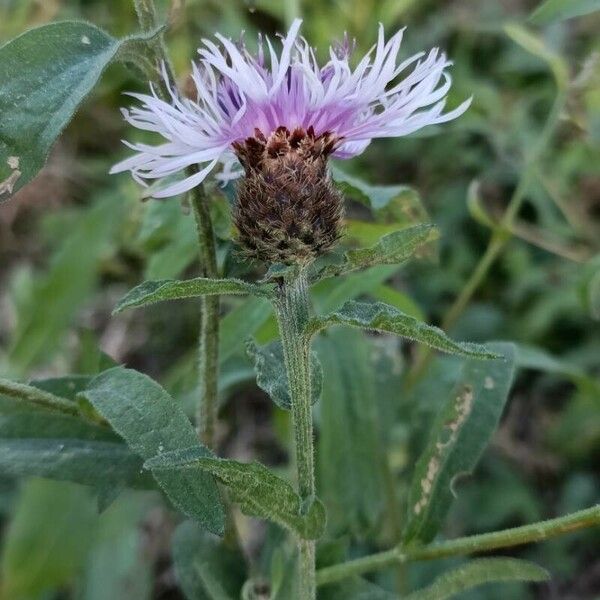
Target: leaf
87 462
391 249
382 317
390 203
45 74
259 492
551 11
151 422
67 387
354 588
206 569
151 292
349 452
48 538
16 422
478 572
241 323
271 375
457 440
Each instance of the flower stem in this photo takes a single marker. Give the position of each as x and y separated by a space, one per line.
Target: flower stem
292 309
467 545
208 343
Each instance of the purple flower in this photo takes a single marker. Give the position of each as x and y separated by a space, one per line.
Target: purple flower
241 96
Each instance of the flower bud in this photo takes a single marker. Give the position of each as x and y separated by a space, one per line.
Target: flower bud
288 210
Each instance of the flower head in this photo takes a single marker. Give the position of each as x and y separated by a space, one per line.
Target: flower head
247 103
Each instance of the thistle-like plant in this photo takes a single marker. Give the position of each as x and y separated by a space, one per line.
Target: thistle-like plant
273 120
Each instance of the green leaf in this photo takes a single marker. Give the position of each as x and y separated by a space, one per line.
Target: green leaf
354 588
16 423
551 11
47 539
45 74
457 440
206 569
478 572
271 375
151 422
259 492
382 317
87 462
241 323
391 249
349 452
151 292
390 203
67 387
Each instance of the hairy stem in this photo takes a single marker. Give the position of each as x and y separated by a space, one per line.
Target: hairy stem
516 536
292 309
148 20
208 343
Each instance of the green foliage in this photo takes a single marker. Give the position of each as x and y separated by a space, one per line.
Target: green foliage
206 569
272 377
45 74
393 248
399 204
151 292
381 317
459 436
551 11
46 543
257 490
151 422
53 299
89 462
479 572
350 459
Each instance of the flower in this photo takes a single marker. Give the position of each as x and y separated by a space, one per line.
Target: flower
243 98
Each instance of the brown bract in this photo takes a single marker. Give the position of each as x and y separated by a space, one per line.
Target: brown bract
288 210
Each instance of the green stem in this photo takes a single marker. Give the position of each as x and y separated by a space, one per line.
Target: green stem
516 536
148 20
292 309
208 343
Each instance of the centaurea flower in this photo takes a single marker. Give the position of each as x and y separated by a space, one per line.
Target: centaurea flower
249 112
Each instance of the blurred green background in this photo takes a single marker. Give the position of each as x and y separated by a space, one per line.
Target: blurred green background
75 239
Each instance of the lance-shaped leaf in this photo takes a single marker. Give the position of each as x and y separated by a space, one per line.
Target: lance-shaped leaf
458 438
151 292
378 316
259 492
552 11
87 462
271 375
478 572
391 249
151 422
45 74
205 567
